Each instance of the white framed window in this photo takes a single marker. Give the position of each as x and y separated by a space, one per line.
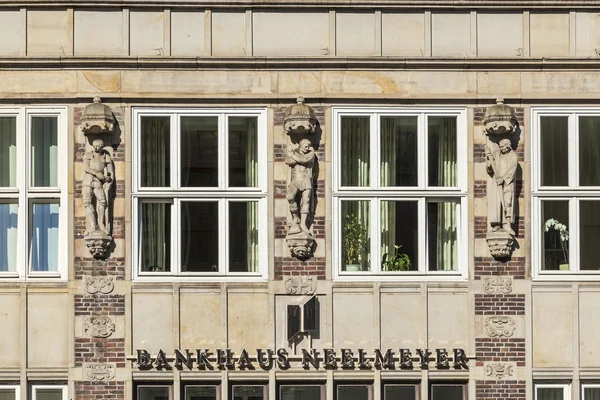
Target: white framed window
590 391
33 192
9 392
200 195
552 391
49 392
399 193
566 192
442 391
154 392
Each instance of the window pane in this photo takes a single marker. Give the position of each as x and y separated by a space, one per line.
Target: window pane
589 232
44 247
439 392
248 393
399 236
48 394
8 152
156 237
550 393
200 393
353 392
8 237
356 239
154 152
400 392
441 143
300 392
442 236
243 151
591 393
399 151
8 394
589 151
199 151
555 228
153 393
44 151
554 146
355 134
243 236
199 236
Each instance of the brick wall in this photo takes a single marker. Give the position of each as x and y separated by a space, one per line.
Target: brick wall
488 266
99 390
99 304
499 390
100 350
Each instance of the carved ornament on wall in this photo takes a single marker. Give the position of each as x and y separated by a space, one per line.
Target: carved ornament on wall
99 327
499 370
100 372
500 126
300 284
99 284
499 327
497 285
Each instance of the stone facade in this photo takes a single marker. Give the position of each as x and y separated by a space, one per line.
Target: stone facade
82 330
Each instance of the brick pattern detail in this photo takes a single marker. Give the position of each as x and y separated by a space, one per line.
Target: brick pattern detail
99 304
479 152
88 266
481 227
279 189
480 189
99 390
97 350
479 112
499 390
499 304
118 227
318 228
488 266
293 266
500 349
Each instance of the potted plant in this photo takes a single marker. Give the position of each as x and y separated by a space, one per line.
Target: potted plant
396 261
553 224
354 235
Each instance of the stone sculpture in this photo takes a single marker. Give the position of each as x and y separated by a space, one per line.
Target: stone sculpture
299 124
98 178
500 124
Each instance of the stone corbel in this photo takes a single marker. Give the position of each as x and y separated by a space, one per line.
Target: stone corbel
300 123
500 126
97 122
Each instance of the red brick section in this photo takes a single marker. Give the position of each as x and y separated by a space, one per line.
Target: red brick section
488 266
292 266
504 304
99 304
111 267
499 390
500 350
99 390
481 227
99 350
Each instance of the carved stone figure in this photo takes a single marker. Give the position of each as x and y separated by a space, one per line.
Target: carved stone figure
501 167
98 178
300 158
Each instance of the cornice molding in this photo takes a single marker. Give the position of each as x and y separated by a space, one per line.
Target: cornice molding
260 4
294 63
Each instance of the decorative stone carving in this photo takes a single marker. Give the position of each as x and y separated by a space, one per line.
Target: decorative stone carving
299 118
497 285
100 372
300 284
99 327
97 118
299 122
99 284
499 370
499 327
501 164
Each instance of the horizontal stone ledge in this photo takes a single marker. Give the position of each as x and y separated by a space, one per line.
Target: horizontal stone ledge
257 63
342 4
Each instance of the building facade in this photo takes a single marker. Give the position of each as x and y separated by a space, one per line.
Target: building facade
299 200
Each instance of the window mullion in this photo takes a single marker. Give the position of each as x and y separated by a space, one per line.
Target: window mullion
175 210
223 236
374 151
376 235
422 151
573 151
574 257
422 236
223 159
175 151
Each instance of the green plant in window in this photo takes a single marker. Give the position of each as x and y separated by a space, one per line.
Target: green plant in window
552 224
354 235
396 261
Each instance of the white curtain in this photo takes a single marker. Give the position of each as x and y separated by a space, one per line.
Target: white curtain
8 152
446 248
44 151
8 237
154 168
589 151
355 134
252 181
389 148
155 236
44 245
